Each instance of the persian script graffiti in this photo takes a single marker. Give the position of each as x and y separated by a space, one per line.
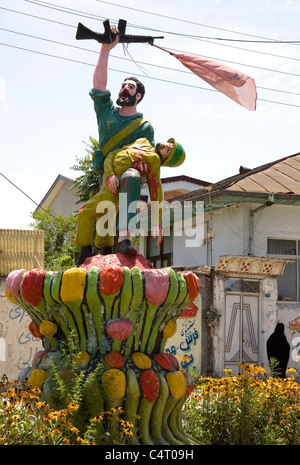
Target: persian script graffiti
25 339
185 348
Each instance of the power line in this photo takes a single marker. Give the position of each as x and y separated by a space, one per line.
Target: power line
137 62
138 75
243 64
202 38
192 36
182 20
26 195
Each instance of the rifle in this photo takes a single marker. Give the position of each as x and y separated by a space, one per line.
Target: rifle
108 37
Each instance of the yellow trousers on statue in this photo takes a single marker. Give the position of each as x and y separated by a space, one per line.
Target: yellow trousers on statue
120 163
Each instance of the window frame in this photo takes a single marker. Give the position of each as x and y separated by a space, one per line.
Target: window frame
295 257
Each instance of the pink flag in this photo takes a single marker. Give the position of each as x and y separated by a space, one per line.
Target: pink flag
237 86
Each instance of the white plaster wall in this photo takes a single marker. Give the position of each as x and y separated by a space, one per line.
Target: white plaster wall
17 344
268 316
231 236
289 315
65 201
217 333
230 226
278 222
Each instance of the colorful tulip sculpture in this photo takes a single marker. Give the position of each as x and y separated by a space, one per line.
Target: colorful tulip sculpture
114 317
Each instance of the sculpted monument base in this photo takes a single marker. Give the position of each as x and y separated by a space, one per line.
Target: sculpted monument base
111 316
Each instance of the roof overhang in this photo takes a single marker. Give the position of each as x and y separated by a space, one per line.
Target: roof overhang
224 198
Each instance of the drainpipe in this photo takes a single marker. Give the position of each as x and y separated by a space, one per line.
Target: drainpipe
268 203
210 233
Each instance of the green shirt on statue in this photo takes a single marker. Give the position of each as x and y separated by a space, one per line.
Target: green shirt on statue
110 122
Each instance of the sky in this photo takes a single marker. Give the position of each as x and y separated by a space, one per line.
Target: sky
47 115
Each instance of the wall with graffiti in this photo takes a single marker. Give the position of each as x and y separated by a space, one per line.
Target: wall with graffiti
186 343
17 344
289 315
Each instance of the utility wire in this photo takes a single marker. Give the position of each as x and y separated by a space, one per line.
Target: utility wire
157 30
136 62
26 195
173 82
138 75
182 20
96 17
202 38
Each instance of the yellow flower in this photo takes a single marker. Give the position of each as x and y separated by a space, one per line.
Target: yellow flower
291 370
176 383
170 329
48 328
38 377
10 297
73 284
82 357
228 371
141 360
114 383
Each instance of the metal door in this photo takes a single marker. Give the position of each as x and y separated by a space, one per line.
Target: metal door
241 328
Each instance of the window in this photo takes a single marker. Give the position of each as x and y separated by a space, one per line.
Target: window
242 285
162 256
289 282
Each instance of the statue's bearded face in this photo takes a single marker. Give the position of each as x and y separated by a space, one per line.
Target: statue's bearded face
128 95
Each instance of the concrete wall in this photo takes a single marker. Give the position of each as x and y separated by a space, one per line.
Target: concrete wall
231 228
17 345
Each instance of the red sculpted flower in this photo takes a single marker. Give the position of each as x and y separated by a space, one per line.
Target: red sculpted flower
163 360
35 330
157 285
119 329
13 282
32 286
189 383
150 384
192 283
111 280
173 360
114 359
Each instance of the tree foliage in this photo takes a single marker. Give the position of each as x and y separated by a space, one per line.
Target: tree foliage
60 249
86 184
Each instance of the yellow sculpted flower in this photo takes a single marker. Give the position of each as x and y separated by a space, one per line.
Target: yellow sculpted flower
176 383
141 360
38 377
48 328
10 297
82 358
73 284
114 383
170 329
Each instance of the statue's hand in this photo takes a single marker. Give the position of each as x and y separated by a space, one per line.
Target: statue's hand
157 233
140 166
112 183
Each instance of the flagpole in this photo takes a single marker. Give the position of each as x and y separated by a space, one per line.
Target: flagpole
161 48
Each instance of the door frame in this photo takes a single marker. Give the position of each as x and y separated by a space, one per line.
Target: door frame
241 295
